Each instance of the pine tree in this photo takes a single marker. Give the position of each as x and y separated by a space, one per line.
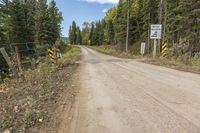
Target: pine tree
2 30
17 22
98 34
91 36
70 35
79 36
54 23
85 33
4 22
74 33
121 23
111 32
101 32
184 26
29 22
42 18
29 14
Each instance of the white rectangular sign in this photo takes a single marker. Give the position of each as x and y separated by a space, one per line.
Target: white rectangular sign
142 50
156 31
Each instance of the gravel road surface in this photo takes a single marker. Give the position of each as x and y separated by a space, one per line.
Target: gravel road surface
126 96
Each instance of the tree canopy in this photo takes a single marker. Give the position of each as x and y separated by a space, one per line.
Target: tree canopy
29 21
180 20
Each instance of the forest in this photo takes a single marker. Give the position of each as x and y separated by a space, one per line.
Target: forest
34 25
31 25
180 21
29 21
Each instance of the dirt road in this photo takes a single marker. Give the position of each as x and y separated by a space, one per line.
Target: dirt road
126 96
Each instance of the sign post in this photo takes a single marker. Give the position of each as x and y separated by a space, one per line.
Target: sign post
164 49
18 58
142 50
52 54
156 33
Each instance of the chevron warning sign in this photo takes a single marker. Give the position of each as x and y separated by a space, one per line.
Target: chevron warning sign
52 54
164 49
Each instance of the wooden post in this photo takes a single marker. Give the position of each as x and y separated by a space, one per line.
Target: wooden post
149 40
7 59
160 22
18 58
154 48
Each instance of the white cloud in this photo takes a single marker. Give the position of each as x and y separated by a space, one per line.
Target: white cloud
102 1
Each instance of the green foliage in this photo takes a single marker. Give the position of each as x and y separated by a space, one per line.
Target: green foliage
62 45
106 49
85 33
180 20
79 37
110 50
41 18
75 34
48 22
29 21
71 56
70 35
91 36
54 23
120 23
110 32
98 34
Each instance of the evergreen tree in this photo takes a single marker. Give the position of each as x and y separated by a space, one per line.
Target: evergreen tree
91 36
74 33
29 22
41 26
111 32
98 34
120 24
2 30
85 33
183 24
29 14
180 21
17 22
101 32
79 37
5 27
70 35
54 23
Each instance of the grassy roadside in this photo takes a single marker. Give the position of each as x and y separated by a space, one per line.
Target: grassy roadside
72 55
106 49
29 104
174 64
192 65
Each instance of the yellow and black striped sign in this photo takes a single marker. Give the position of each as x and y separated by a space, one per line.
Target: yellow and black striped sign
164 49
52 54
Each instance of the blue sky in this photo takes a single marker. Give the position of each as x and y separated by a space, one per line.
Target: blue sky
82 10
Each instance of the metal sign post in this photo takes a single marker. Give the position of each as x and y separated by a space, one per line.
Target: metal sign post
156 33
52 54
164 49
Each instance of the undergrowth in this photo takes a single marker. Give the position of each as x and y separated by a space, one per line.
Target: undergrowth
27 103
